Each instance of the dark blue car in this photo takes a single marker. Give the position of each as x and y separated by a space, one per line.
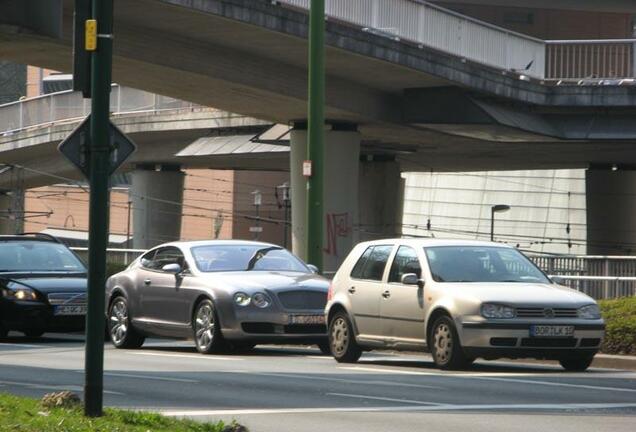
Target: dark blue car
42 286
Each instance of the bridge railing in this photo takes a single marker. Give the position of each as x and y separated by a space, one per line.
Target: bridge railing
597 276
70 105
429 25
590 59
432 26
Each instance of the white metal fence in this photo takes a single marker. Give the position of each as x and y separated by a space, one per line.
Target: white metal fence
598 276
432 26
69 105
114 256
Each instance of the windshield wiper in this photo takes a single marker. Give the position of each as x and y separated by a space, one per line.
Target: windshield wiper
260 254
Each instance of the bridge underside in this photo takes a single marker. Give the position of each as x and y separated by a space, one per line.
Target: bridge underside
249 57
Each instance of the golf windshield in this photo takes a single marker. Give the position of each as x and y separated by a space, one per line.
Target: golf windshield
225 258
36 256
481 264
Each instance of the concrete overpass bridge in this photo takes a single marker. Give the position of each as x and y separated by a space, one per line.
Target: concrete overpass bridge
426 88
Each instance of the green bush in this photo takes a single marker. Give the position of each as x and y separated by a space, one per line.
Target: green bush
620 321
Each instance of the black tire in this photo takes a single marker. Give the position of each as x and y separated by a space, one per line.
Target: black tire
576 364
342 341
122 333
33 333
206 329
445 347
324 347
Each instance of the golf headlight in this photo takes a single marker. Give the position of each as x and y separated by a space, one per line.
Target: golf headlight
590 312
261 300
22 294
490 310
241 299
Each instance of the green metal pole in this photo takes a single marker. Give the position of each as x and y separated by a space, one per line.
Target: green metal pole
316 133
99 151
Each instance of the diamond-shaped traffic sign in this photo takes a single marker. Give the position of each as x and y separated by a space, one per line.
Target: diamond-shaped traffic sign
76 146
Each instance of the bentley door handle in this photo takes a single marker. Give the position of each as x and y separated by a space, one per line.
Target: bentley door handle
147 282
386 294
352 290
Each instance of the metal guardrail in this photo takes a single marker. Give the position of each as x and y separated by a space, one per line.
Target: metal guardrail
69 105
600 277
590 59
429 25
115 256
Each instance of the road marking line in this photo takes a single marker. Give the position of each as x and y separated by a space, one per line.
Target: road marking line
345 380
384 399
475 376
19 345
544 407
194 356
148 377
555 384
54 387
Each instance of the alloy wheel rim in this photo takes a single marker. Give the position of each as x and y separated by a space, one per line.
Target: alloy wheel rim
339 336
443 343
118 322
204 327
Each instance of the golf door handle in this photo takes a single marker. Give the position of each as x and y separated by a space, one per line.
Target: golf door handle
352 290
386 294
147 281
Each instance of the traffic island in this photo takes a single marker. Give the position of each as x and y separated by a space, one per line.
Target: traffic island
57 413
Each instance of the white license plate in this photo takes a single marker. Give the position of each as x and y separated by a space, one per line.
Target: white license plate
69 310
551 331
307 319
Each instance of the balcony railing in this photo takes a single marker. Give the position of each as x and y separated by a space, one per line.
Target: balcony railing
428 25
70 105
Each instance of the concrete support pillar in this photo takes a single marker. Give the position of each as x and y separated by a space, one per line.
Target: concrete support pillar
6 204
342 155
611 211
381 200
11 212
157 200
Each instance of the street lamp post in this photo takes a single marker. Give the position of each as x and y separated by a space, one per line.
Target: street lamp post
499 208
258 199
284 188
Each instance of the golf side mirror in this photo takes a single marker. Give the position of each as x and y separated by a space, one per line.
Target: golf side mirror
410 279
172 268
313 268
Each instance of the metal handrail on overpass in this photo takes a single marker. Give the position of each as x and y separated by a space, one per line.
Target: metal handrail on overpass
429 25
69 105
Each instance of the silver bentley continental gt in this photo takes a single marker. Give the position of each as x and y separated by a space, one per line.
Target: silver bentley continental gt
223 294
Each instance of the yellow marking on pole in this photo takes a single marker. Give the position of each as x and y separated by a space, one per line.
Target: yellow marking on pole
90 35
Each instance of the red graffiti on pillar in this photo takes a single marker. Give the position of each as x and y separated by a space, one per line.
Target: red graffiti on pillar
337 226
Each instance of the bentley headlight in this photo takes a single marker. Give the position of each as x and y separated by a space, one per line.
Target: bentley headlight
590 312
21 293
241 299
261 300
492 310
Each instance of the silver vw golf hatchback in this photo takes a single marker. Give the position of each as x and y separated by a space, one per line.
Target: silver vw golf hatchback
460 300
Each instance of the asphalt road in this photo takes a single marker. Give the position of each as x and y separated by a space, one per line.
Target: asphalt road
276 389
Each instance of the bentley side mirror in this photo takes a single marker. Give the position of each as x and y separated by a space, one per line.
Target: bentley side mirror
410 279
313 268
172 268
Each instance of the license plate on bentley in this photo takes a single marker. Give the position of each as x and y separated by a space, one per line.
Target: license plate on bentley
64 310
551 331
306 319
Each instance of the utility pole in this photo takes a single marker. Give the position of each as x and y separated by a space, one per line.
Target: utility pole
99 169
316 132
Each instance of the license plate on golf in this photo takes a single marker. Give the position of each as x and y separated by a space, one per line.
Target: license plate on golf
551 331
69 310
306 319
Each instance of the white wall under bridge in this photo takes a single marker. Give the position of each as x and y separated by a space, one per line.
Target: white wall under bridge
543 204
